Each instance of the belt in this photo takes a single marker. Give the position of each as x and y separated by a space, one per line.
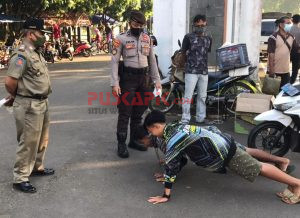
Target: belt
132 70
37 97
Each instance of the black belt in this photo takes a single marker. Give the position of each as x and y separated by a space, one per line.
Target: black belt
37 97
132 70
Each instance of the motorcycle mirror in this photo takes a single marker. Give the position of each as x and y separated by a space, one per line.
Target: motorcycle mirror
179 43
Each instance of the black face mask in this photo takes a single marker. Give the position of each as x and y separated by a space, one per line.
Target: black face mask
136 31
199 29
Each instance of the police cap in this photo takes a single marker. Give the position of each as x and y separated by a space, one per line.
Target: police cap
35 24
138 17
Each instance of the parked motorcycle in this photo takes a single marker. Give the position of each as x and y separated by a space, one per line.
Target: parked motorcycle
221 88
97 47
65 51
279 130
49 53
83 48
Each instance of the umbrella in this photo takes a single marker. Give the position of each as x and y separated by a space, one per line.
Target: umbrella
9 19
103 18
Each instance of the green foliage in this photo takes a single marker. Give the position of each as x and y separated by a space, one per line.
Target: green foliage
286 6
118 9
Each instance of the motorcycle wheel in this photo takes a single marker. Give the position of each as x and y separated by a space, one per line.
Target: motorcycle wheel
86 53
71 56
231 92
166 104
105 48
264 137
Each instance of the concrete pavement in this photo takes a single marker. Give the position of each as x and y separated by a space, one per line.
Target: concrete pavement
91 181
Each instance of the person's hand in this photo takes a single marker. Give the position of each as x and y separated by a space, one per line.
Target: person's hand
116 90
158 85
10 100
157 200
159 177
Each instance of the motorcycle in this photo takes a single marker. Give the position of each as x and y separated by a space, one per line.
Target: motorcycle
83 48
279 129
97 47
65 51
49 53
221 88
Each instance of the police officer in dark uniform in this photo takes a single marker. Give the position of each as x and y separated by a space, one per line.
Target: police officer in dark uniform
132 85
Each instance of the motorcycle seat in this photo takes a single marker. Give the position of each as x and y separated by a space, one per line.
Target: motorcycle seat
217 75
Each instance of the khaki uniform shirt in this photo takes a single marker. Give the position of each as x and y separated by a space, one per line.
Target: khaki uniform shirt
135 52
282 53
29 67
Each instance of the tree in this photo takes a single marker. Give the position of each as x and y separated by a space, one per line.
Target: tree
286 6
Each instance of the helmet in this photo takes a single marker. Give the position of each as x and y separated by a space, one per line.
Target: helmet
154 40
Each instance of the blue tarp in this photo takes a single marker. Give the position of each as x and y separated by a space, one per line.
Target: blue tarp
103 18
9 19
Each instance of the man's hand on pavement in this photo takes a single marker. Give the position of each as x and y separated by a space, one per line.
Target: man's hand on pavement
116 90
157 200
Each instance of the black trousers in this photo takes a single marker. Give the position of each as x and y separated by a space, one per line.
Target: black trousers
134 100
285 78
295 58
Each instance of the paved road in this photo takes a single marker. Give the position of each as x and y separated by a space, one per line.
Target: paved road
90 180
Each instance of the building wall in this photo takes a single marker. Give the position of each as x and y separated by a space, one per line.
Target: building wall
169 25
214 11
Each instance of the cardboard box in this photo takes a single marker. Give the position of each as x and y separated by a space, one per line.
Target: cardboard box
248 106
254 103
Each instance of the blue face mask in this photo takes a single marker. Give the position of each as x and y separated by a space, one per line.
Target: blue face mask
287 27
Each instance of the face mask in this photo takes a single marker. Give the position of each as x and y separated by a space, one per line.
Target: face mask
199 29
136 31
40 41
287 27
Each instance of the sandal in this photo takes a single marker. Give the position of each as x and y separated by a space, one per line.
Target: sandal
293 199
286 193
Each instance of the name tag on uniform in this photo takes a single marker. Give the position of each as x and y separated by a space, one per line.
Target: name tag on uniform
130 45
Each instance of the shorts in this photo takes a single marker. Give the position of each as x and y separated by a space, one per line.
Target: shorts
245 165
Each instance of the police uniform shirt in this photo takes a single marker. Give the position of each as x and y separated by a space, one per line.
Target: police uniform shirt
29 67
135 52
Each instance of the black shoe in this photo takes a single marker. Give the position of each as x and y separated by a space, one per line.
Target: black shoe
122 150
137 146
45 172
25 187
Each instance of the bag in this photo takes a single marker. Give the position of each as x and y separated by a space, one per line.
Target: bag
179 59
179 74
271 86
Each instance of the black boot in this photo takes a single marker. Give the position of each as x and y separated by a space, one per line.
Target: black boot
134 144
122 148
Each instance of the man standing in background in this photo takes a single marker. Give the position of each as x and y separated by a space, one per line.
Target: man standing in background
196 46
295 54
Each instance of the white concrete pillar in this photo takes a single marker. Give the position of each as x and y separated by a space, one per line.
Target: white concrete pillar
250 28
169 25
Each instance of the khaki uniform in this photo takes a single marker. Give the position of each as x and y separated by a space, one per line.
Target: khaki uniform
135 52
30 109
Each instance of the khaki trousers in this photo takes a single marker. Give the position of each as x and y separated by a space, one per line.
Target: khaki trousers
32 122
